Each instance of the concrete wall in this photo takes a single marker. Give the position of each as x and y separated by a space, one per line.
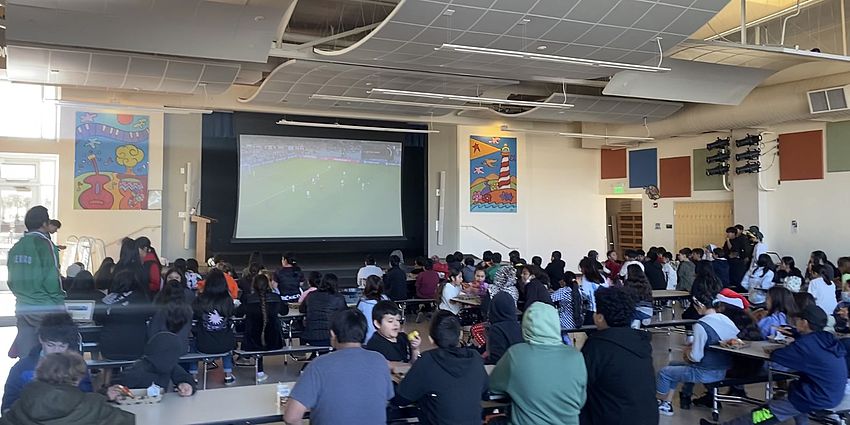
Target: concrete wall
182 167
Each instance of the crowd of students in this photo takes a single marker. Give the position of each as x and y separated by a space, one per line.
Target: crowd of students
148 315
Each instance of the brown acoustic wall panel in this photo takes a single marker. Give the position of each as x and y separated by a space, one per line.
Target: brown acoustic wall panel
801 156
613 164
675 177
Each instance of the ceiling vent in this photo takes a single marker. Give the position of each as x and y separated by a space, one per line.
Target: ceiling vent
829 100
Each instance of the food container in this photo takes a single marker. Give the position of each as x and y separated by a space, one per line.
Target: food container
140 396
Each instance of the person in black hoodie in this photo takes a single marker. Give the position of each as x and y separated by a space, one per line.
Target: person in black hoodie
159 366
395 280
82 289
818 358
620 376
262 326
124 317
318 308
447 383
505 329
653 270
555 270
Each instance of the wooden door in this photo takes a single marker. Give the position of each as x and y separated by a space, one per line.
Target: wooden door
629 231
697 224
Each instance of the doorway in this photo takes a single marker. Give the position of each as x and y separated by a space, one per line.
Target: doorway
698 224
624 224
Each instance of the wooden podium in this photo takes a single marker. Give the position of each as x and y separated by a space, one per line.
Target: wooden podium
201 231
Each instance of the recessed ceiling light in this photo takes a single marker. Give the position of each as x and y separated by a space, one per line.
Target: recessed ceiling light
542 47
449 12
368 84
524 21
259 18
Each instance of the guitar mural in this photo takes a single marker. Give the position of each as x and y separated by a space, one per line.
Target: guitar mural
111 161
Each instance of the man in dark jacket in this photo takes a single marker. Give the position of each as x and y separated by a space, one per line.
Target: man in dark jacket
819 359
159 365
555 270
57 334
447 383
505 329
620 376
654 272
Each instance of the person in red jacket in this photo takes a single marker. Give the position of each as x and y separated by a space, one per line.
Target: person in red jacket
150 264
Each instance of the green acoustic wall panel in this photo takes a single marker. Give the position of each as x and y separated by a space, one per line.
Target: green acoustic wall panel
838 146
701 181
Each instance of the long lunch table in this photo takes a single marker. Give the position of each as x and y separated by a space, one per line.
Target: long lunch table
756 350
661 298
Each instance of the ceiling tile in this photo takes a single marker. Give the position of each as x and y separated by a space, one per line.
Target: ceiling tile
113 64
659 17
495 22
145 67
626 13
522 6
600 35
557 9
591 10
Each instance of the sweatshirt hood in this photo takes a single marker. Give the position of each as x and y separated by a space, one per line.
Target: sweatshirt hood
455 361
829 343
631 340
53 402
503 308
541 325
163 352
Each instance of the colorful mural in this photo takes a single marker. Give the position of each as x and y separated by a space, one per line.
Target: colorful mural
111 161
492 174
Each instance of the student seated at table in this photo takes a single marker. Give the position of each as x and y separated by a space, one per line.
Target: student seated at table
545 379
232 285
780 306
213 312
700 364
54 397
760 279
427 281
448 382
262 325
159 365
395 281
350 385
56 334
314 278
373 292
535 286
124 318
388 339
449 290
818 358
82 289
173 303
318 308
637 282
504 330
616 355
822 288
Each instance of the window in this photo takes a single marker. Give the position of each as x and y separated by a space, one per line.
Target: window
27 111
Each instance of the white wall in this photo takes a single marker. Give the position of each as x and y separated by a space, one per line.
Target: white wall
559 205
182 146
112 225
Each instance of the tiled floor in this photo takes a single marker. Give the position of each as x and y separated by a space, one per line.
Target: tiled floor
277 371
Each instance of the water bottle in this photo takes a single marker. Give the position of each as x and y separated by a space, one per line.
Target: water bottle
282 394
153 390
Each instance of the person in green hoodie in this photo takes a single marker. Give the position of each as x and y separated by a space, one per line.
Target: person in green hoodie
34 279
54 398
542 394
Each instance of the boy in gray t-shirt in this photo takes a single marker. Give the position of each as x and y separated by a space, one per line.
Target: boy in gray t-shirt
350 376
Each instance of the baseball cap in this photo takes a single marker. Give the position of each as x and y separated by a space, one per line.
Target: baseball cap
815 316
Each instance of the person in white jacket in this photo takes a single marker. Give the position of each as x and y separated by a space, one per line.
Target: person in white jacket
823 290
669 270
760 280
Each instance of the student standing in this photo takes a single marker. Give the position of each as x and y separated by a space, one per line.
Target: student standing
447 383
151 265
450 290
350 385
652 269
568 299
388 339
818 358
34 279
591 280
669 269
289 278
686 272
555 269
318 308
541 393
721 266
616 355
611 266
631 258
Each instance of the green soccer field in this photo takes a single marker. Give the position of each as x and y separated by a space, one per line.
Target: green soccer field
303 198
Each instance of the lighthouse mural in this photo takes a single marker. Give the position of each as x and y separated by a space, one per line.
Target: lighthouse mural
493 174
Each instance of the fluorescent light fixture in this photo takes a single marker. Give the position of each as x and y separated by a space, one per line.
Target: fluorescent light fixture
395 102
579 135
550 58
165 109
487 100
353 127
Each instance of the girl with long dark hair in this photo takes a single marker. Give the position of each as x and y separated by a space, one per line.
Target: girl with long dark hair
124 318
103 276
591 280
760 279
213 311
262 326
318 308
780 306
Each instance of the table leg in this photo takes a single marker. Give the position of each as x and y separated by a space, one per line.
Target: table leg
768 388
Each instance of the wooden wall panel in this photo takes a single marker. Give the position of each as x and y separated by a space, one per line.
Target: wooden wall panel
675 177
613 163
801 156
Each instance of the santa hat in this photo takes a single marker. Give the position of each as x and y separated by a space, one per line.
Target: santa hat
730 294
